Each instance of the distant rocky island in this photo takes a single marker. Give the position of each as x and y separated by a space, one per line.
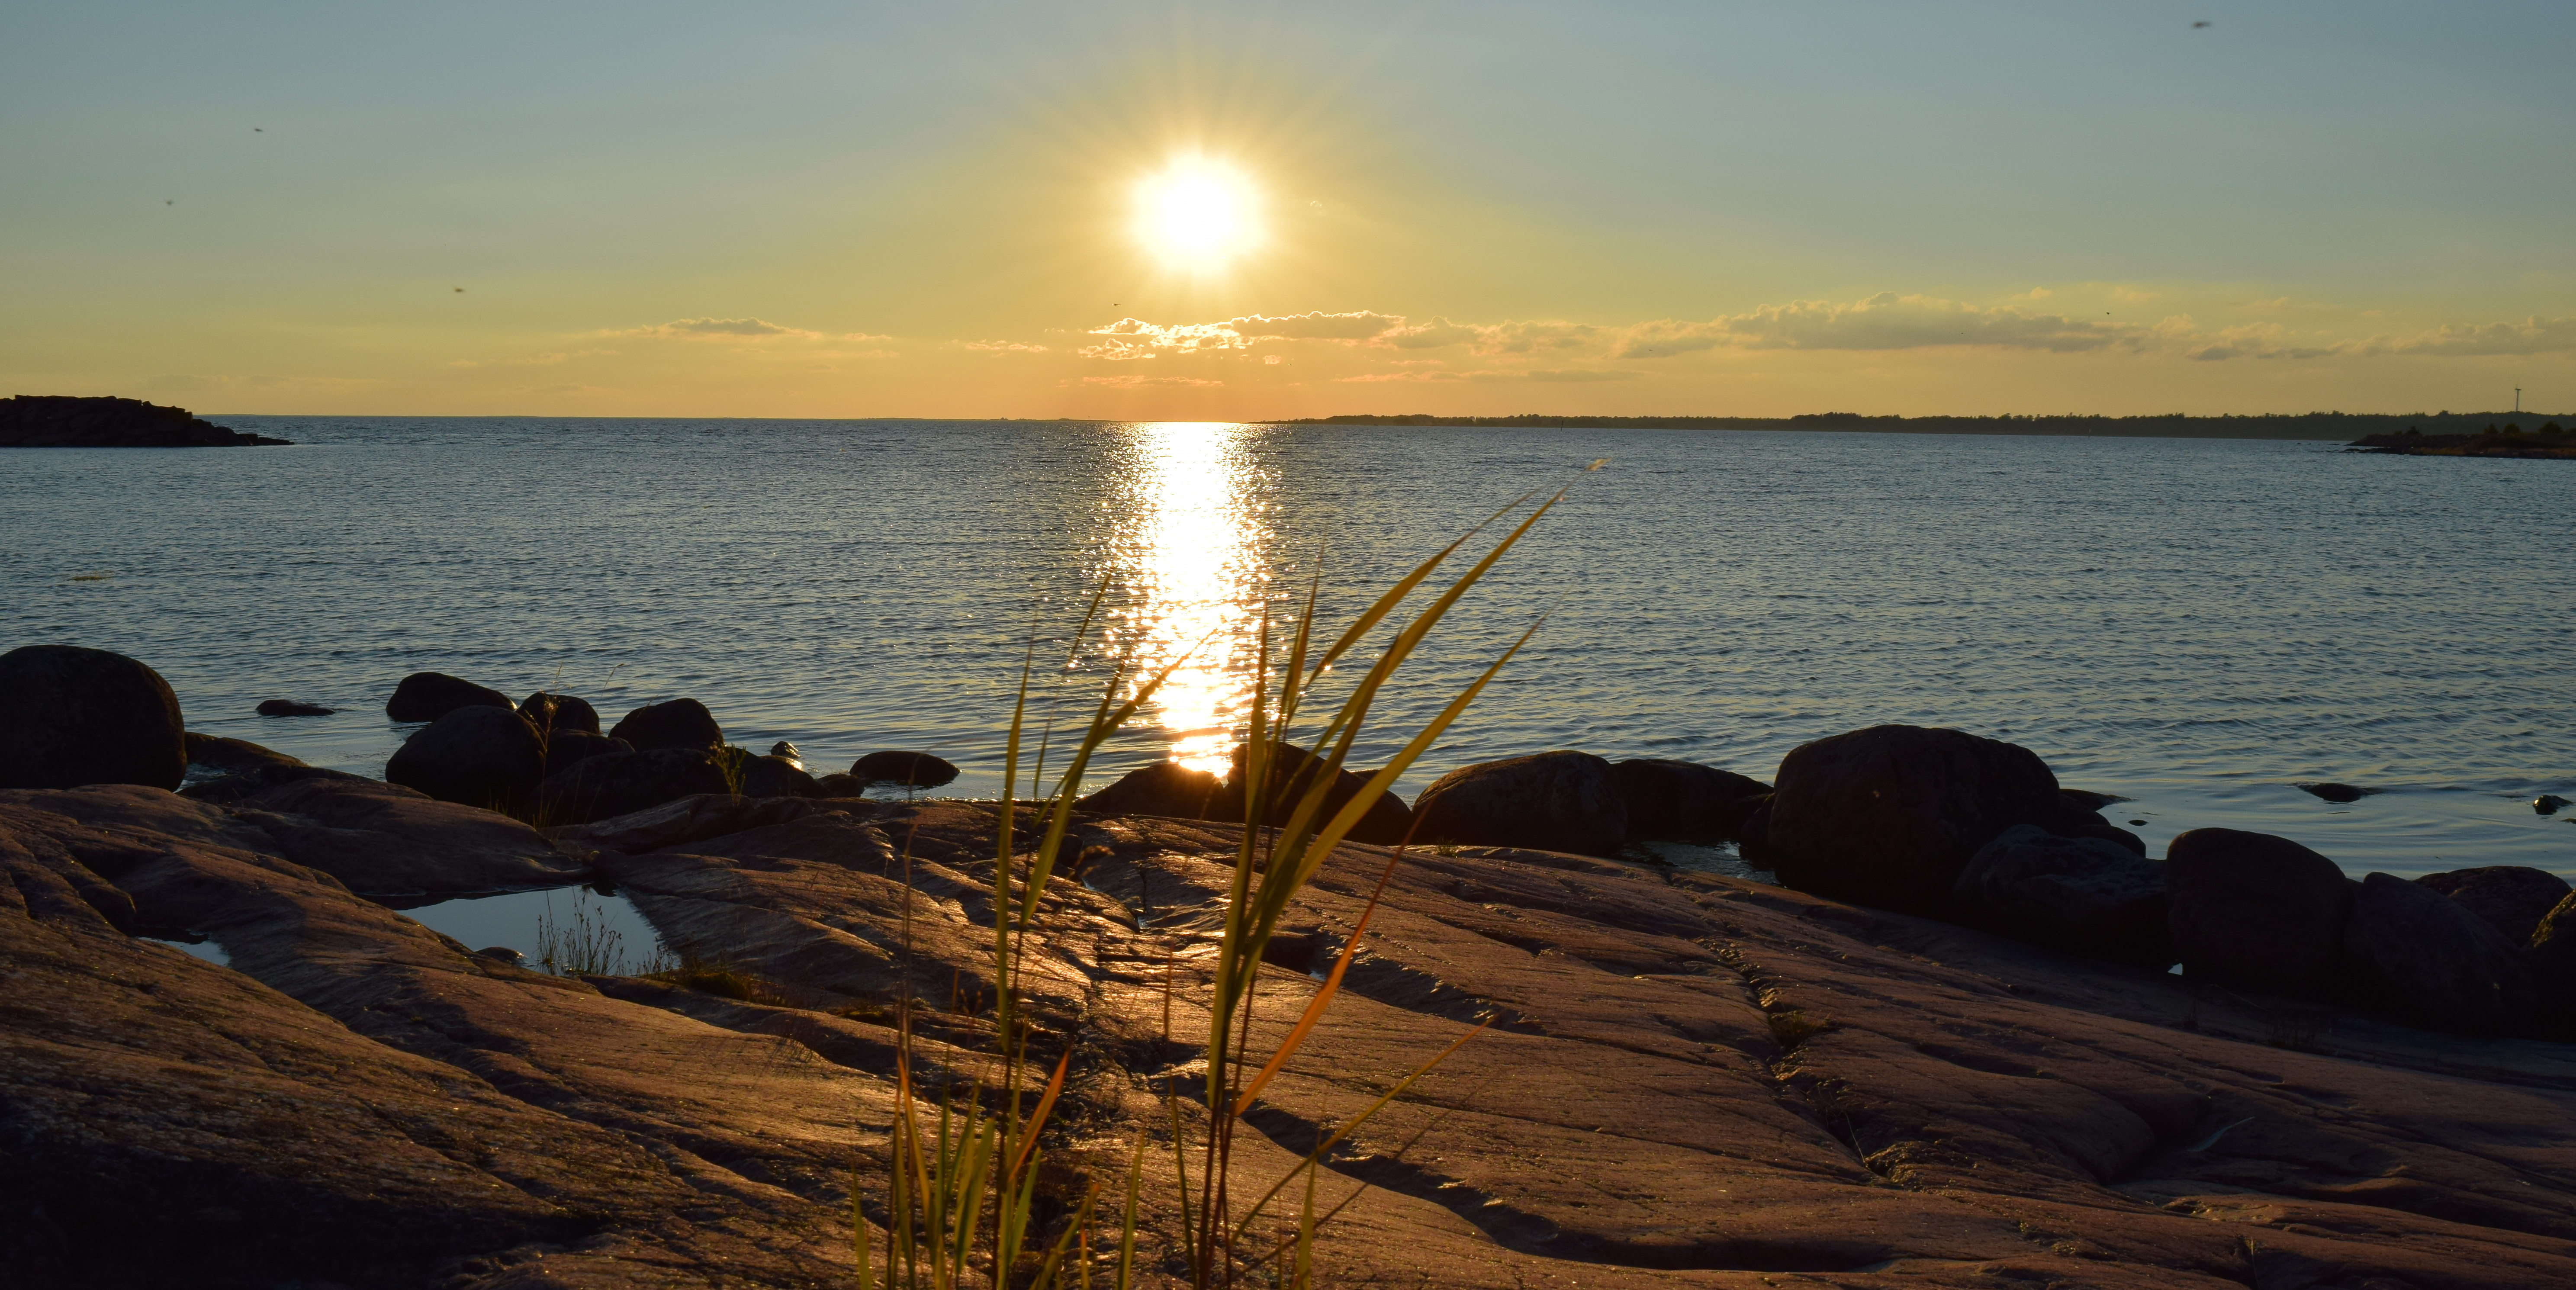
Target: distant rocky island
2345 426
66 421
2507 440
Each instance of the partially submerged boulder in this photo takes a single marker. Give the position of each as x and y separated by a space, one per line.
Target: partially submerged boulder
2436 963
677 723
2083 896
1684 801
909 769
2512 898
1550 801
2255 911
71 716
557 713
427 696
1889 816
477 755
292 708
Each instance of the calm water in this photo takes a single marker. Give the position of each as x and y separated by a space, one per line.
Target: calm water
2194 624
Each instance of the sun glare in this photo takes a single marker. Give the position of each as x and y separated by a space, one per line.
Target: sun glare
1197 214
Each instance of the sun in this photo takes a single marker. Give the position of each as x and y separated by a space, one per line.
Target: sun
1197 214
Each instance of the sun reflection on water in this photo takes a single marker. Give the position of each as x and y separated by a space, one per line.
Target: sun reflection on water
1195 569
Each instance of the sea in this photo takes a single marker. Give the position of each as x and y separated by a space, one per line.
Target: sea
2197 626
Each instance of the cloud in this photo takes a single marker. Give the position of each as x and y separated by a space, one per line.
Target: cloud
1580 374
1147 380
1356 325
1134 338
1881 322
1434 334
2533 335
724 329
1006 346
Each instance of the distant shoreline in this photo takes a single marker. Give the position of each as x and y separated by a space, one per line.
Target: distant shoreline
2333 426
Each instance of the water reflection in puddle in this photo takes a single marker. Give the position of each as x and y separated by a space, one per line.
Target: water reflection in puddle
1717 858
207 950
573 931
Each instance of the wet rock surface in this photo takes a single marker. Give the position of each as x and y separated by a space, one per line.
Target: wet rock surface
1691 1080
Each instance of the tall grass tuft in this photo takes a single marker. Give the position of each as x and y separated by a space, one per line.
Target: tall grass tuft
962 1174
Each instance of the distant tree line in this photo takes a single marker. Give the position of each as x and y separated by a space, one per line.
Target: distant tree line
2174 425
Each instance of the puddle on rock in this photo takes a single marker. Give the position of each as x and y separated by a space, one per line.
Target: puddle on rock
1718 858
207 950
570 931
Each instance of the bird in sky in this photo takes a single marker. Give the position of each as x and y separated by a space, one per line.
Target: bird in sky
257 130
2198 25
460 291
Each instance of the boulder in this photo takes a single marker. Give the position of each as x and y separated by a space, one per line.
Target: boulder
2087 800
619 783
2512 898
478 755
2548 804
840 783
2255 911
1753 837
1890 815
427 696
1292 772
1684 801
245 768
1550 801
560 712
2552 959
791 752
679 723
910 769
2435 963
566 747
71 716
2338 792
2084 896
772 776
1166 788
291 708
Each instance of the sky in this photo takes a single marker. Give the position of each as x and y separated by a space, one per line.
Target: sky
1184 211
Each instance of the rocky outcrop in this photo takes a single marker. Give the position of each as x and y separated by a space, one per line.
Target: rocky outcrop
2434 962
1889 816
71 716
427 696
559 713
480 756
2511 898
66 421
2082 896
1166 788
1690 1080
678 723
909 769
2255 911
1558 801
1684 801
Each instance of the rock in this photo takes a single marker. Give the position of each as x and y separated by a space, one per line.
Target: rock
910 769
559 713
695 818
1550 801
772 776
71 716
2086 800
2511 898
679 723
2255 911
2438 965
291 708
840 783
1890 815
2084 896
1753 837
1684 801
477 755
2548 804
246 767
1292 771
66 421
2338 792
501 953
427 696
383 839
567 747
2552 960
791 752
1166 788
632 781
